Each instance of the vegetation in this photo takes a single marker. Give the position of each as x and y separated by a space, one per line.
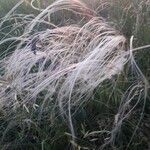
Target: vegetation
74 74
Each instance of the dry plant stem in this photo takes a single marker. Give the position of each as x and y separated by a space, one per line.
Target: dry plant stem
11 11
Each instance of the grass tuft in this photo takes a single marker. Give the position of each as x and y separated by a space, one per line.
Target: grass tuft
51 72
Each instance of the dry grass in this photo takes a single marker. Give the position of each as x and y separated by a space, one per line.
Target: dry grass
66 63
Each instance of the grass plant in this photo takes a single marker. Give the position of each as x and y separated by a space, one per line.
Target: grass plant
70 75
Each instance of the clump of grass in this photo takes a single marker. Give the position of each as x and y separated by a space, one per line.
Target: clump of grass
56 68
70 63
